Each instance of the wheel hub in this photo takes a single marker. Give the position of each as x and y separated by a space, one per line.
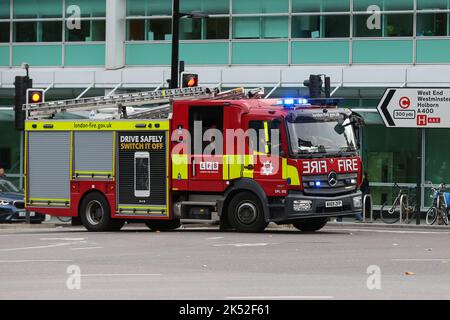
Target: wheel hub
247 213
94 212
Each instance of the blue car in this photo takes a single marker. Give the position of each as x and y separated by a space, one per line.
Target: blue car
12 205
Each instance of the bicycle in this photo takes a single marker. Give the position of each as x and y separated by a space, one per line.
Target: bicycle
440 207
391 214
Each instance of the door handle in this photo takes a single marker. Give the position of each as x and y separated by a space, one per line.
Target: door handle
249 167
193 167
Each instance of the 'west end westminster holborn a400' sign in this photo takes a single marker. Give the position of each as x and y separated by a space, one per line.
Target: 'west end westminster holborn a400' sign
416 108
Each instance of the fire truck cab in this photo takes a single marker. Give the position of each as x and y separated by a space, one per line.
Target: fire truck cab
241 162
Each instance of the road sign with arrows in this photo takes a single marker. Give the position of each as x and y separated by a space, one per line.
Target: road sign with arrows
416 108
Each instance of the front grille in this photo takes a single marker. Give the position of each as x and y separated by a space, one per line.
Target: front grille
342 187
19 204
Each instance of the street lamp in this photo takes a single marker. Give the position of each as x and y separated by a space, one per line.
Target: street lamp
176 16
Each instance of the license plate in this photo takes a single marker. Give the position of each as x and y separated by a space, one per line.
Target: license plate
333 204
24 214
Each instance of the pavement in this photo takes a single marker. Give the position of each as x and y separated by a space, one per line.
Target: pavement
343 261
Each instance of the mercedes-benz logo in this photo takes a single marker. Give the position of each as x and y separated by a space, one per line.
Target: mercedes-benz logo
332 179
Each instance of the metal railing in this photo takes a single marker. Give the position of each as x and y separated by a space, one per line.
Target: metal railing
367 198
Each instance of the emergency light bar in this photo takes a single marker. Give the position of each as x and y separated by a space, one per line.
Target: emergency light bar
292 103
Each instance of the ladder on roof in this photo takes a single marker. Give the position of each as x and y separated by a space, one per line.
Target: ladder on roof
157 102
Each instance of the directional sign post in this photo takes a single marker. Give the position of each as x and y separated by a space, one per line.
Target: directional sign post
416 108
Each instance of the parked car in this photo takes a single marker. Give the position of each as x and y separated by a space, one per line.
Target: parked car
12 205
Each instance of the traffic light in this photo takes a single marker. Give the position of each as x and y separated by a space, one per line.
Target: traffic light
189 80
22 84
35 96
315 86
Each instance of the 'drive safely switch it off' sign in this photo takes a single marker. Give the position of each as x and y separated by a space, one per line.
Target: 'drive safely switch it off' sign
416 108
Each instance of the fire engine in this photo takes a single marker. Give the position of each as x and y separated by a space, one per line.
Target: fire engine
193 155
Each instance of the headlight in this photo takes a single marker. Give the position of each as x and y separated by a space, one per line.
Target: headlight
4 202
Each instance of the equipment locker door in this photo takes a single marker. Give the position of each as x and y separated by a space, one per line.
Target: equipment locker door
206 167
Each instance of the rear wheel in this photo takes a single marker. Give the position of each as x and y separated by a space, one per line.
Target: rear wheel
95 214
245 213
163 225
311 224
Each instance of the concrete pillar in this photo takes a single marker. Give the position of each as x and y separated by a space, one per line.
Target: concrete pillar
115 34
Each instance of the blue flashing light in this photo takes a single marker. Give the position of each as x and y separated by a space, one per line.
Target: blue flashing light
289 102
318 184
292 102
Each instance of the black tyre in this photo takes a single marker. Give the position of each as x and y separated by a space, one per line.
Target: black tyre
163 225
310 224
245 213
390 214
95 214
431 216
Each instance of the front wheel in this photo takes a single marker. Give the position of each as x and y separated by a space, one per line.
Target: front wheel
310 225
390 214
95 214
246 214
431 216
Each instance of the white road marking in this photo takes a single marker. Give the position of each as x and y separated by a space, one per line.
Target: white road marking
390 231
87 248
37 247
281 298
215 238
100 275
33 261
63 239
238 245
420 260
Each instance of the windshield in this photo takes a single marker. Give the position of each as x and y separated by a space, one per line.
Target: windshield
7 186
313 137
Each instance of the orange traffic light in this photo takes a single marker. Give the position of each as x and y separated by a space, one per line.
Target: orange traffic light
189 80
35 96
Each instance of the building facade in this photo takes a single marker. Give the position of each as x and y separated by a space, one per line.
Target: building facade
87 48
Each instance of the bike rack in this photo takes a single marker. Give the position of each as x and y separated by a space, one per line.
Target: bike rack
402 201
366 198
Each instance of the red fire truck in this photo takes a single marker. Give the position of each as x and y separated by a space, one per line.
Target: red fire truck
193 155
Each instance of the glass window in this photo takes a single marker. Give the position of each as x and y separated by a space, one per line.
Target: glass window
260 28
217 28
320 5
4 9
260 6
437 164
198 29
159 29
25 31
152 29
89 8
37 9
149 7
4 32
432 4
392 25
329 26
135 30
431 24
51 31
90 31
363 5
390 156
43 31
207 6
